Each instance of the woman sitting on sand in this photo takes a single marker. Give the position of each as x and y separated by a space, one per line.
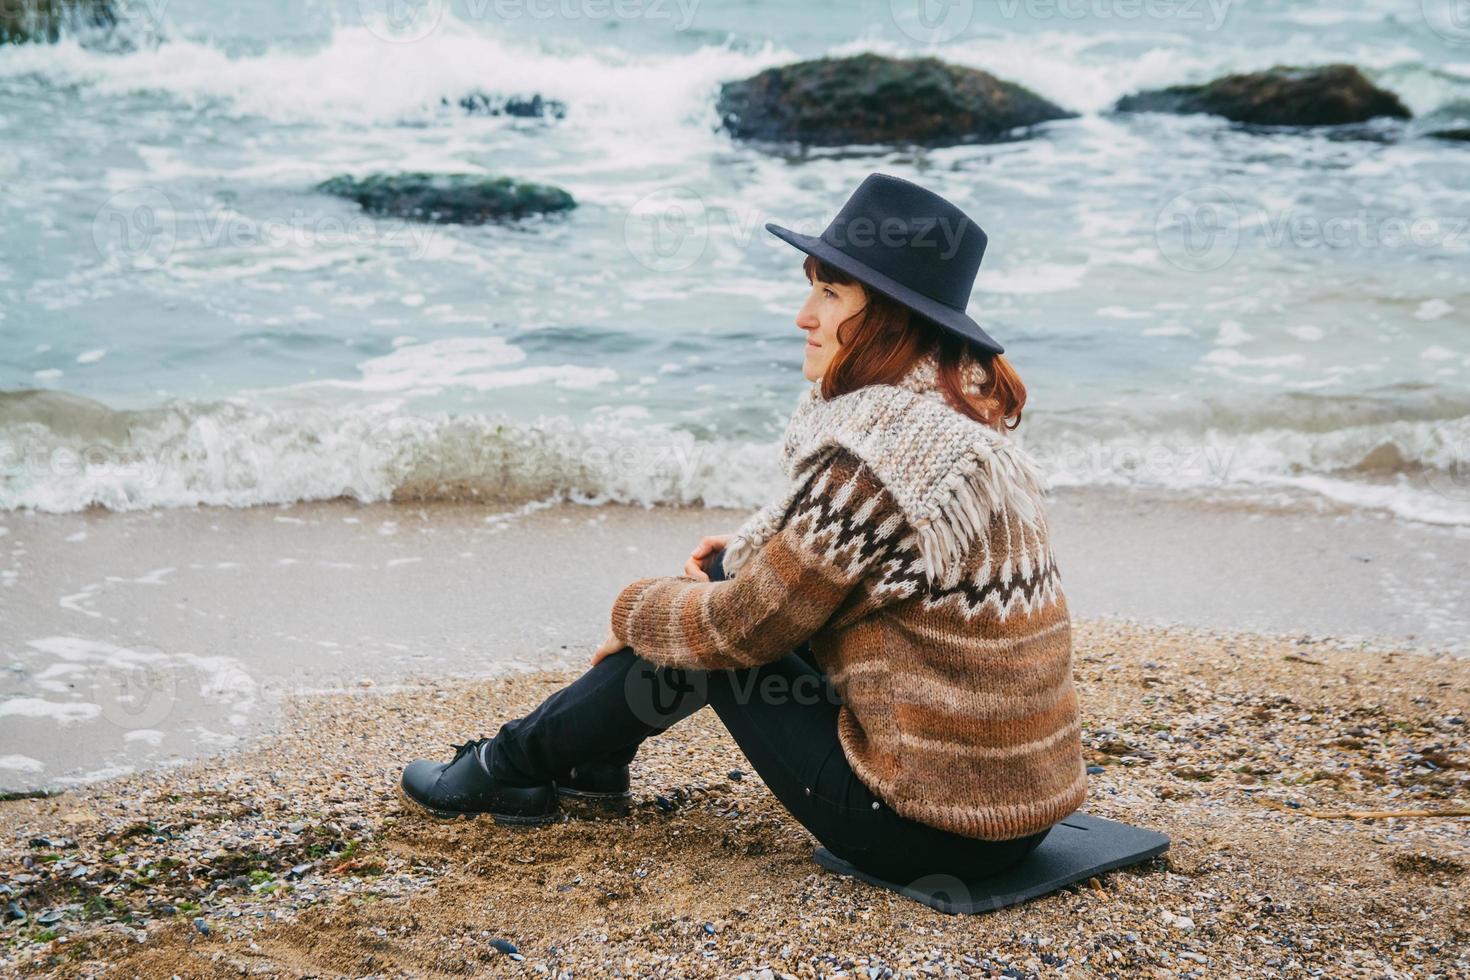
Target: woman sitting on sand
887 642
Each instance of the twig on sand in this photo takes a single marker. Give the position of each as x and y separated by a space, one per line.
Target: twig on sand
1361 814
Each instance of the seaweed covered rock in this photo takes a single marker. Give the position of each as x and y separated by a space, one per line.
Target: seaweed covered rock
869 98
46 20
468 199
1330 95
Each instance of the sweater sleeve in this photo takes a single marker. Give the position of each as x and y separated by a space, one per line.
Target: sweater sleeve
841 524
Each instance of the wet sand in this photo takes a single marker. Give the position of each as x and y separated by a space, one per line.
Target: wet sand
139 639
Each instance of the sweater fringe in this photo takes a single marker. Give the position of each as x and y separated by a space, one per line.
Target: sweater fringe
986 474
993 480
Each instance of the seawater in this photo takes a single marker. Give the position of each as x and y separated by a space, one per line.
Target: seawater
184 320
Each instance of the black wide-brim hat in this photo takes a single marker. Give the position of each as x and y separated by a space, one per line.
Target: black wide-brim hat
909 244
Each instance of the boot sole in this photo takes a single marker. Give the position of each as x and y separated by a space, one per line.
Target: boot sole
510 819
566 792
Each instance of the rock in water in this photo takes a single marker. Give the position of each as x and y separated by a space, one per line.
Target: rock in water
1332 95
534 107
468 199
1450 121
46 20
868 98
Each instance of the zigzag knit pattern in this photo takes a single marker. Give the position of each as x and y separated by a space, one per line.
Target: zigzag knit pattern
959 707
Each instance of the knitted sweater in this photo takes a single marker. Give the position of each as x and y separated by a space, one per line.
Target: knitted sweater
952 653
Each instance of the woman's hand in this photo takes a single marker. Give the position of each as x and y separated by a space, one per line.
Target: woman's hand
610 646
706 547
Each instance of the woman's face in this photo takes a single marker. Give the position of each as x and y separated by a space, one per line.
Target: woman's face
827 306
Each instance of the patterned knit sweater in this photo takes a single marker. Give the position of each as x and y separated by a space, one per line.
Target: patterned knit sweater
951 649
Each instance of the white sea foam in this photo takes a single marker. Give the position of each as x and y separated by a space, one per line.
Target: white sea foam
63 712
21 763
356 76
462 362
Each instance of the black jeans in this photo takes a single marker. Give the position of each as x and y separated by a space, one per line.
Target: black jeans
783 715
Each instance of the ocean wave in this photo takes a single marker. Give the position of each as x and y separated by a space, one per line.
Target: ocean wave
1409 454
357 77
62 453
359 74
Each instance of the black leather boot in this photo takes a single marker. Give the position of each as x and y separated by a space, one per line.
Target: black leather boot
463 787
596 782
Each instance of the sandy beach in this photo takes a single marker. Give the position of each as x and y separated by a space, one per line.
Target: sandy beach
297 857
282 663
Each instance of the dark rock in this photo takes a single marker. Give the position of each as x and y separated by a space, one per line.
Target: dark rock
468 199
47 20
14 912
736 775
869 98
53 843
535 107
1095 770
1448 121
1331 95
505 946
200 926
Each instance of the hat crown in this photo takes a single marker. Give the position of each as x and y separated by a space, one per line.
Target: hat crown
911 235
908 244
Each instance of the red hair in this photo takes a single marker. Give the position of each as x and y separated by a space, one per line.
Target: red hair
889 337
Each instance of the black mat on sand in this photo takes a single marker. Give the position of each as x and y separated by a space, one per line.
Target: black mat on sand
1076 849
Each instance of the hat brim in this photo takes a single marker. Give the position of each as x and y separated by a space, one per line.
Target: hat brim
941 314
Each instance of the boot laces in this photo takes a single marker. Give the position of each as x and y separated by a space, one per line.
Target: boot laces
473 745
